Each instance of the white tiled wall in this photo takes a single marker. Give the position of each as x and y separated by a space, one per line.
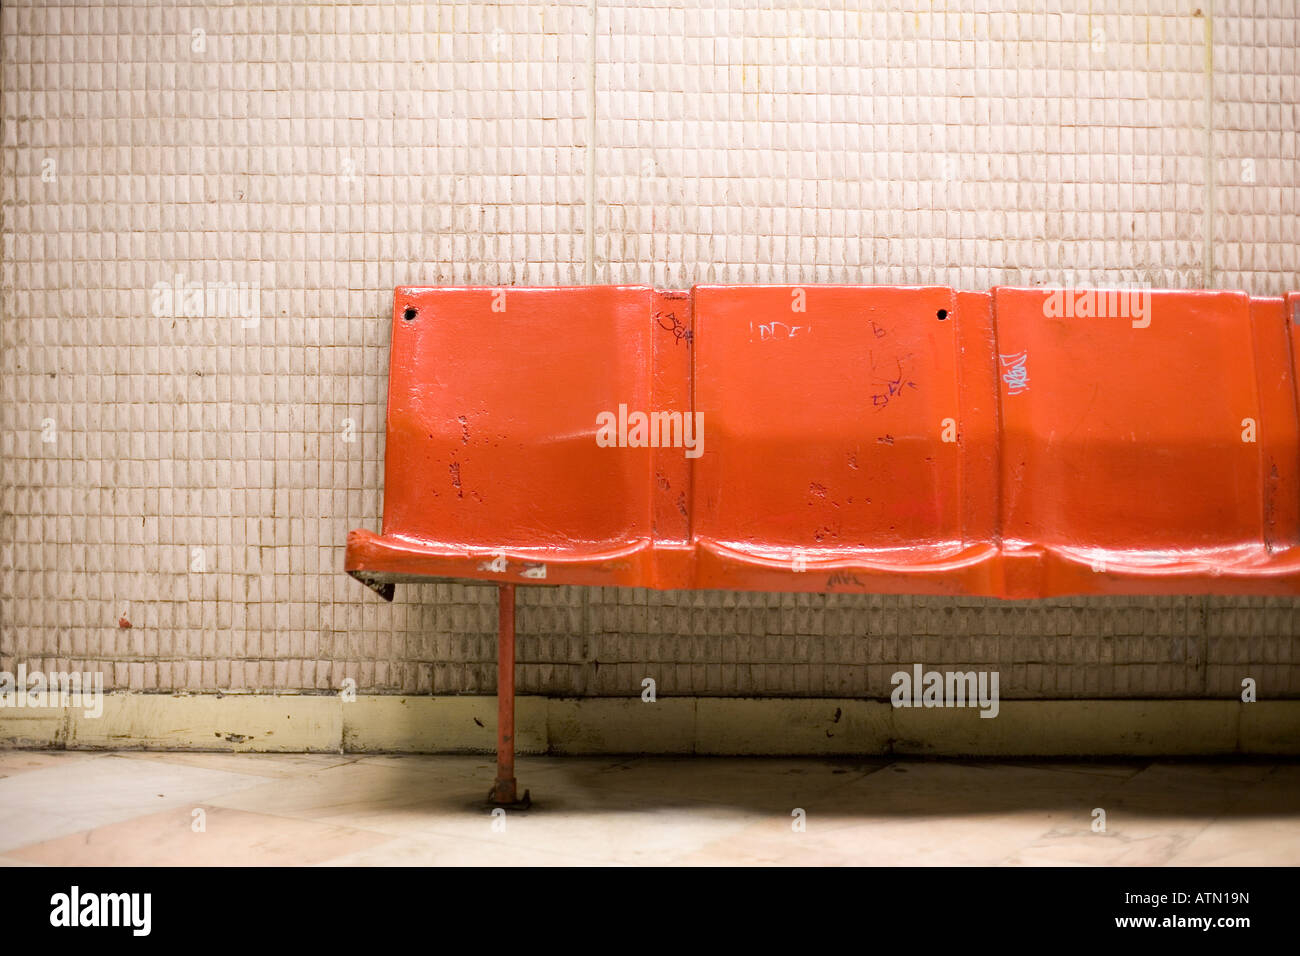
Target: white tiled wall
195 474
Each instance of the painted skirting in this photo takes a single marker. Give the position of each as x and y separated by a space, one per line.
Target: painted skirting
701 725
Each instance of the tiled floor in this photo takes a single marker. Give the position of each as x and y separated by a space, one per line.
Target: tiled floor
211 809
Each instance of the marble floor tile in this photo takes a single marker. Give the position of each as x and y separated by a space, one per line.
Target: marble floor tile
444 796
227 838
452 851
412 810
68 797
14 762
262 765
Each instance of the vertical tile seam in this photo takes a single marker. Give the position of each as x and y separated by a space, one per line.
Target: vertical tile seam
589 273
1208 264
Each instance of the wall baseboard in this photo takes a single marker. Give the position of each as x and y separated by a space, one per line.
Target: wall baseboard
679 725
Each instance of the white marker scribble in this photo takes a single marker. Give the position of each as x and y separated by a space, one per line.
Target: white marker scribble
1016 375
777 330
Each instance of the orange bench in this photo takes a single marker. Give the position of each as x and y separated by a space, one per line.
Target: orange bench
1018 443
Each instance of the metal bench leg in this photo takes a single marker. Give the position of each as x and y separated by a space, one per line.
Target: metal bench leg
504 792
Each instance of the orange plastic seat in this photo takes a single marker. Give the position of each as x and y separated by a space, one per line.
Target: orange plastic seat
1019 443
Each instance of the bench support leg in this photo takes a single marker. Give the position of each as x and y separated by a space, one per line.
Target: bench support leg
504 791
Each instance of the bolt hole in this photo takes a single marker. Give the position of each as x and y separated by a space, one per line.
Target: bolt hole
942 314
410 313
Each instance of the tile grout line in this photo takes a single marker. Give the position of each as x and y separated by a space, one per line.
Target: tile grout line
1209 145
589 274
